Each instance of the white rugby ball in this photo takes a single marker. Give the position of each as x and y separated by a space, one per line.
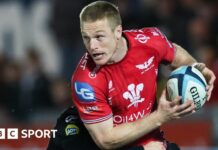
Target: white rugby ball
188 82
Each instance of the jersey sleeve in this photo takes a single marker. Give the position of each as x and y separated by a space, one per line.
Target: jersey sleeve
164 48
89 96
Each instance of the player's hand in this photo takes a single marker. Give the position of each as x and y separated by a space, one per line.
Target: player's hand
172 109
209 76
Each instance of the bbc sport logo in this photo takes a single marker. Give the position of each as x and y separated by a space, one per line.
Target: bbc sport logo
12 133
2 133
15 133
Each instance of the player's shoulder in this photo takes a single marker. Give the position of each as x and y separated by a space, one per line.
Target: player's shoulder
146 31
86 68
85 64
88 72
144 37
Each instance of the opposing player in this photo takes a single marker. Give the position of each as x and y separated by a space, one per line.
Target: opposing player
114 85
71 134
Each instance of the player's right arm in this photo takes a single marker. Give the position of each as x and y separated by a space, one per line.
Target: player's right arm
108 136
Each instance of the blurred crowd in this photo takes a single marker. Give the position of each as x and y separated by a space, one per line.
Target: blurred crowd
26 84
25 88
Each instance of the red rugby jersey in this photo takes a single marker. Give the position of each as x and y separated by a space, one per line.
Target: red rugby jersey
125 90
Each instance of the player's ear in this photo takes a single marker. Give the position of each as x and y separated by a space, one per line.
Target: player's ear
118 32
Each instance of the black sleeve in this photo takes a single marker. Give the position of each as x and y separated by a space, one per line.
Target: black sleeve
71 133
172 146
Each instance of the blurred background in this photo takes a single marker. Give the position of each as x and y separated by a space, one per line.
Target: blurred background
40 45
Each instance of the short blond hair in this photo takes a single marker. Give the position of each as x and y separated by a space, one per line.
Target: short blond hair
101 10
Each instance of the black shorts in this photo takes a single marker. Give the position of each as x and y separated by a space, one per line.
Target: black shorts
72 135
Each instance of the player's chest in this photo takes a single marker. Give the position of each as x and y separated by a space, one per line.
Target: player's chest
133 83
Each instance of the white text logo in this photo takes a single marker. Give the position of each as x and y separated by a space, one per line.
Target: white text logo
84 61
110 86
15 133
118 119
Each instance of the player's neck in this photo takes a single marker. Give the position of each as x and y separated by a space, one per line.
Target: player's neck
121 51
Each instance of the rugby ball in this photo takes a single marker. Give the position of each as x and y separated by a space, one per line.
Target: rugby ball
189 83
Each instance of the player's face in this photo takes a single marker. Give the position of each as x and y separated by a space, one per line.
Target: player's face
100 40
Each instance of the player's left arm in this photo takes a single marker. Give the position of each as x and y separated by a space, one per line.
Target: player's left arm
182 57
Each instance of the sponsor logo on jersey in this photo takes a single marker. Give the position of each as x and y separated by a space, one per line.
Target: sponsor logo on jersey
84 61
70 118
84 92
147 65
142 38
91 108
118 119
92 74
133 94
110 86
71 129
111 89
